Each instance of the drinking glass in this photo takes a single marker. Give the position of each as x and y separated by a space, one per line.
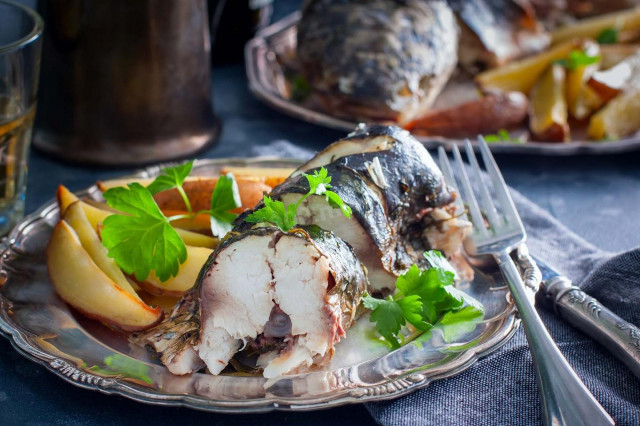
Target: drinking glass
20 45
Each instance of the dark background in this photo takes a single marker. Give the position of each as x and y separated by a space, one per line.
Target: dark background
596 196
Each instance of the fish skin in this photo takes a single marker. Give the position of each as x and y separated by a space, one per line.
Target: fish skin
354 54
495 32
392 215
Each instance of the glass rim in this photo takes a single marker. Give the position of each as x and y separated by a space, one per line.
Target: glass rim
34 34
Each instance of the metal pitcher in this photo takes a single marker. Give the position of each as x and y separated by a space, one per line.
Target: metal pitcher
125 82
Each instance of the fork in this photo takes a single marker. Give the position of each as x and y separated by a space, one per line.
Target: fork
565 399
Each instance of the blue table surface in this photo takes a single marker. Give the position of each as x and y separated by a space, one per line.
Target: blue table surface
598 197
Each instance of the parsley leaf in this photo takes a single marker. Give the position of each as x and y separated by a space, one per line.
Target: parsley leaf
225 197
576 59
608 36
502 136
454 324
300 88
274 212
319 181
388 316
282 216
424 299
143 240
336 202
120 365
172 177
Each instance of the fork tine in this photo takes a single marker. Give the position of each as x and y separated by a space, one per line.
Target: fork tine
447 172
504 198
485 199
467 193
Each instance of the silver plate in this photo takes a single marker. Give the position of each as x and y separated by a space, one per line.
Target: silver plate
44 329
267 82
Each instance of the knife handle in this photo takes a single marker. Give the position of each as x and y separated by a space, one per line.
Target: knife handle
586 314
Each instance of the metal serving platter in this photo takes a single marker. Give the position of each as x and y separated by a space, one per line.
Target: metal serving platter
44 329
275 45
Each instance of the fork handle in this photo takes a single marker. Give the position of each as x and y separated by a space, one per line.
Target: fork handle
565 399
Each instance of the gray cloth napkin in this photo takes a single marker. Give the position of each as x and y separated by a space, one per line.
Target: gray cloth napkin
501 389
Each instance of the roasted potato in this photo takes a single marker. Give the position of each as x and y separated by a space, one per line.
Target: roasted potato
548 108
619 118
198 191
271 176
591 27
522 75
622 77
82 284
612 54
579 104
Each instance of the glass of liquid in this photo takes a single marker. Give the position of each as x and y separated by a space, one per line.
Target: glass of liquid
20 45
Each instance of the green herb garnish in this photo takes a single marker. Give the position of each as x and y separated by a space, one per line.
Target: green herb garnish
119 365
283 217
300 88
425 299
576 59
142 239
608 36
502 136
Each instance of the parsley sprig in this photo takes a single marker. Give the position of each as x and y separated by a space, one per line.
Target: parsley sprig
503 135
425 299
576 59
142 239
608 36
284 217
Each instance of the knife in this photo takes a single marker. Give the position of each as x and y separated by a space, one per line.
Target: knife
588 315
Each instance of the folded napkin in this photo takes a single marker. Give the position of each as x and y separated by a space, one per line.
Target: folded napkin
501 388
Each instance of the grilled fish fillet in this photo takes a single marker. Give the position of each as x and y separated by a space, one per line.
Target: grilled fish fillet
290 296
377 59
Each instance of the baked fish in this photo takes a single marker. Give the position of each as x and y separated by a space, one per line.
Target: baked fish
377 59
400 202
494 32
289 296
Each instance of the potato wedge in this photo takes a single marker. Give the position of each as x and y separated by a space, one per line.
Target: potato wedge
488 114
576 81
273 176
612 54
77 219
198 191
522 75
622 77
619 118
200 223
591 27
83 285
186 278
548 110
65 198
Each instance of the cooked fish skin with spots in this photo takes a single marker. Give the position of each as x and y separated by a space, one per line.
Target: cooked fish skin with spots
494 32
377 59
307 279
395 191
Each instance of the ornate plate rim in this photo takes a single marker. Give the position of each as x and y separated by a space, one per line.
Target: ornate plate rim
256 48
392 388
